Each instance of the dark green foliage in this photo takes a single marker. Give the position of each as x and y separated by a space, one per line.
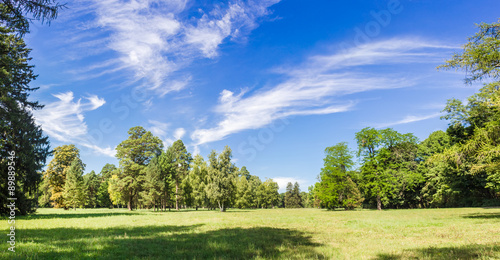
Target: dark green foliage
44 194
134 154
244 172
18 131
74 188
103 199
292 196
153 185
389 175
19 13
92 184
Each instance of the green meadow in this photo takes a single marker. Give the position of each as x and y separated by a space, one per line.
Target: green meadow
460 233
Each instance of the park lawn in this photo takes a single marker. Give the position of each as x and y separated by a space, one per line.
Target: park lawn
460 233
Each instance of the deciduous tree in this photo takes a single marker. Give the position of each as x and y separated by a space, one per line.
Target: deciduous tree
221 178
57 169
134 154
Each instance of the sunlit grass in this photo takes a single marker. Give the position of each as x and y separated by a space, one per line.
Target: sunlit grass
465 233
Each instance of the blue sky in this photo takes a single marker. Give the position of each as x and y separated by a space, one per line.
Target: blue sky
277 81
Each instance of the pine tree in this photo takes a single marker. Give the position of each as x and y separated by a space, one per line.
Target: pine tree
153 185
297 199
19 133
289 202
74 192
103 198
92 184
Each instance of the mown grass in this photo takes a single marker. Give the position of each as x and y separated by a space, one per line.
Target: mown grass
465 233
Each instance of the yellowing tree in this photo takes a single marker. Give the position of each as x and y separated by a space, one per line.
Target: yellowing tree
57 169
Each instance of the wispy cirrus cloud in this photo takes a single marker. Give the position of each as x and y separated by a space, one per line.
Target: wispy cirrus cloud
155 40
64 120
408 119
318 86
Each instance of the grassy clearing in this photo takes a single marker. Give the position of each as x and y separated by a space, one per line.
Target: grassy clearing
466 233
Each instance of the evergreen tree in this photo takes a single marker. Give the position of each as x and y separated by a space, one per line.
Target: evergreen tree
18 14
74 187
153 184
92 184
44 194
296 196
20 137
180 162
292 196
289 195
103 199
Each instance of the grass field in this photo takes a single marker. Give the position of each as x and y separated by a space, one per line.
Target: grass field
465 233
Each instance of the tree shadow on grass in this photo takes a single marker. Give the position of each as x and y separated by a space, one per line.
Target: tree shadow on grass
483 215
200 210
166 242
466 252
86 214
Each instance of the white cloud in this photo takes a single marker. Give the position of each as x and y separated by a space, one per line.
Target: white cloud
158 128
392 51
210 31
96 101
179 133
64 120
316 87
408 119
283 181
155 39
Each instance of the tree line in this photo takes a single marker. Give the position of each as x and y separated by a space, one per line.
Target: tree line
453 168
150 177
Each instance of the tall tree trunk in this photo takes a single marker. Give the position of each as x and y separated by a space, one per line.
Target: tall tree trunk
176 195
379 202
165 201
129 203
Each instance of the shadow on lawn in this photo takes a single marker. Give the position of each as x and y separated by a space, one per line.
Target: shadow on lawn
87 214
483 215
467 252
167 242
